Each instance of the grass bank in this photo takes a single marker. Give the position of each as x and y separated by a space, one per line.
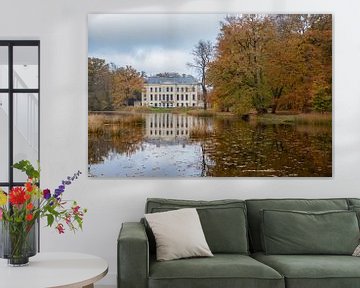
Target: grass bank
100 123
300 119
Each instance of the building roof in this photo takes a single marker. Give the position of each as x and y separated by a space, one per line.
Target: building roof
171 78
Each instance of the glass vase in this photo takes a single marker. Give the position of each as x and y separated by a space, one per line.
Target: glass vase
18 242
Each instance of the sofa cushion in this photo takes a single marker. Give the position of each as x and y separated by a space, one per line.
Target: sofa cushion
313 271
254 217
222 270
356 209
297 232
353 201
178 234
223 221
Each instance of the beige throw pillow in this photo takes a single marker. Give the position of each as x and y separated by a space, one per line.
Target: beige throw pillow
357 251
178 234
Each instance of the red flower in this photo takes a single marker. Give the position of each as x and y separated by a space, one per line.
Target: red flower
29 186
27 196
29 206
17 196
60 228
29 217
75 209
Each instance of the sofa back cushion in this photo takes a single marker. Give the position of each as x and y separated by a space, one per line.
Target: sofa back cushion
223 221
298 232
255 206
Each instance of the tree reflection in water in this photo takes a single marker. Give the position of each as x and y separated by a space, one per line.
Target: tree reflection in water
221 147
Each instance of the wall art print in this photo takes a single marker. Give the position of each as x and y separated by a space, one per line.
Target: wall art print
209 95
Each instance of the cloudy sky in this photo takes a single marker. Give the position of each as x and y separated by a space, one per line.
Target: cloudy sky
152 43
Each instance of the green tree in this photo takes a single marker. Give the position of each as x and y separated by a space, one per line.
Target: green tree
99 85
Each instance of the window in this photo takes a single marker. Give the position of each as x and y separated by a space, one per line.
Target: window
193 89
193 97
167 89
155 89
151 97
19 108
151 88
187 97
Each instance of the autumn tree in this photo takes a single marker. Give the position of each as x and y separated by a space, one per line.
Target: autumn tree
273 61
202 56
126 84
237 73
99 83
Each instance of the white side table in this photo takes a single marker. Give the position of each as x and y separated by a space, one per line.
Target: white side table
50 270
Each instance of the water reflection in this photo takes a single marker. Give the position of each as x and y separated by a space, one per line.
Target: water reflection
165 144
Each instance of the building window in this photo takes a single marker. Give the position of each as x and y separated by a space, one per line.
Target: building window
159 89
187 97
171 89
155 89
186 89
19 108
193 97
182 89
177 89
151 88
193 89
182 97
151 97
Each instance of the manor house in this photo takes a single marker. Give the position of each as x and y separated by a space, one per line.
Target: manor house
171 90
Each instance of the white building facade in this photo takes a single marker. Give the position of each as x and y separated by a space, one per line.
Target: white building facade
171 90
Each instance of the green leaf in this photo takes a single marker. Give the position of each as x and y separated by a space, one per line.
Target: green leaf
26 167
50 219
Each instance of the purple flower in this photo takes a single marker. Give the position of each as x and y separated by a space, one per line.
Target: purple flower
64 183
46 194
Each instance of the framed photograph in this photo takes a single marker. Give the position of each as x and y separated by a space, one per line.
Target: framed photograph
210 95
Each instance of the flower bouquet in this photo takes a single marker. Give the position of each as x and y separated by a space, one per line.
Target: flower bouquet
21 208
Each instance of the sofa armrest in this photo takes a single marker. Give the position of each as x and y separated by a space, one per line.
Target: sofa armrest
133 256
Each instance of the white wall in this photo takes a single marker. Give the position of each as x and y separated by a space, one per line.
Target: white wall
61 25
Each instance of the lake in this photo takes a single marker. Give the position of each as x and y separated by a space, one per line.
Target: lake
172 145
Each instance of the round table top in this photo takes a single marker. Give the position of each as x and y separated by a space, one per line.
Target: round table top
68 270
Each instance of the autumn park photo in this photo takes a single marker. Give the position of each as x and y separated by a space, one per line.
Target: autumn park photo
210 95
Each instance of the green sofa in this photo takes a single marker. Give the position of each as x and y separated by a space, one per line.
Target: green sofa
235 234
